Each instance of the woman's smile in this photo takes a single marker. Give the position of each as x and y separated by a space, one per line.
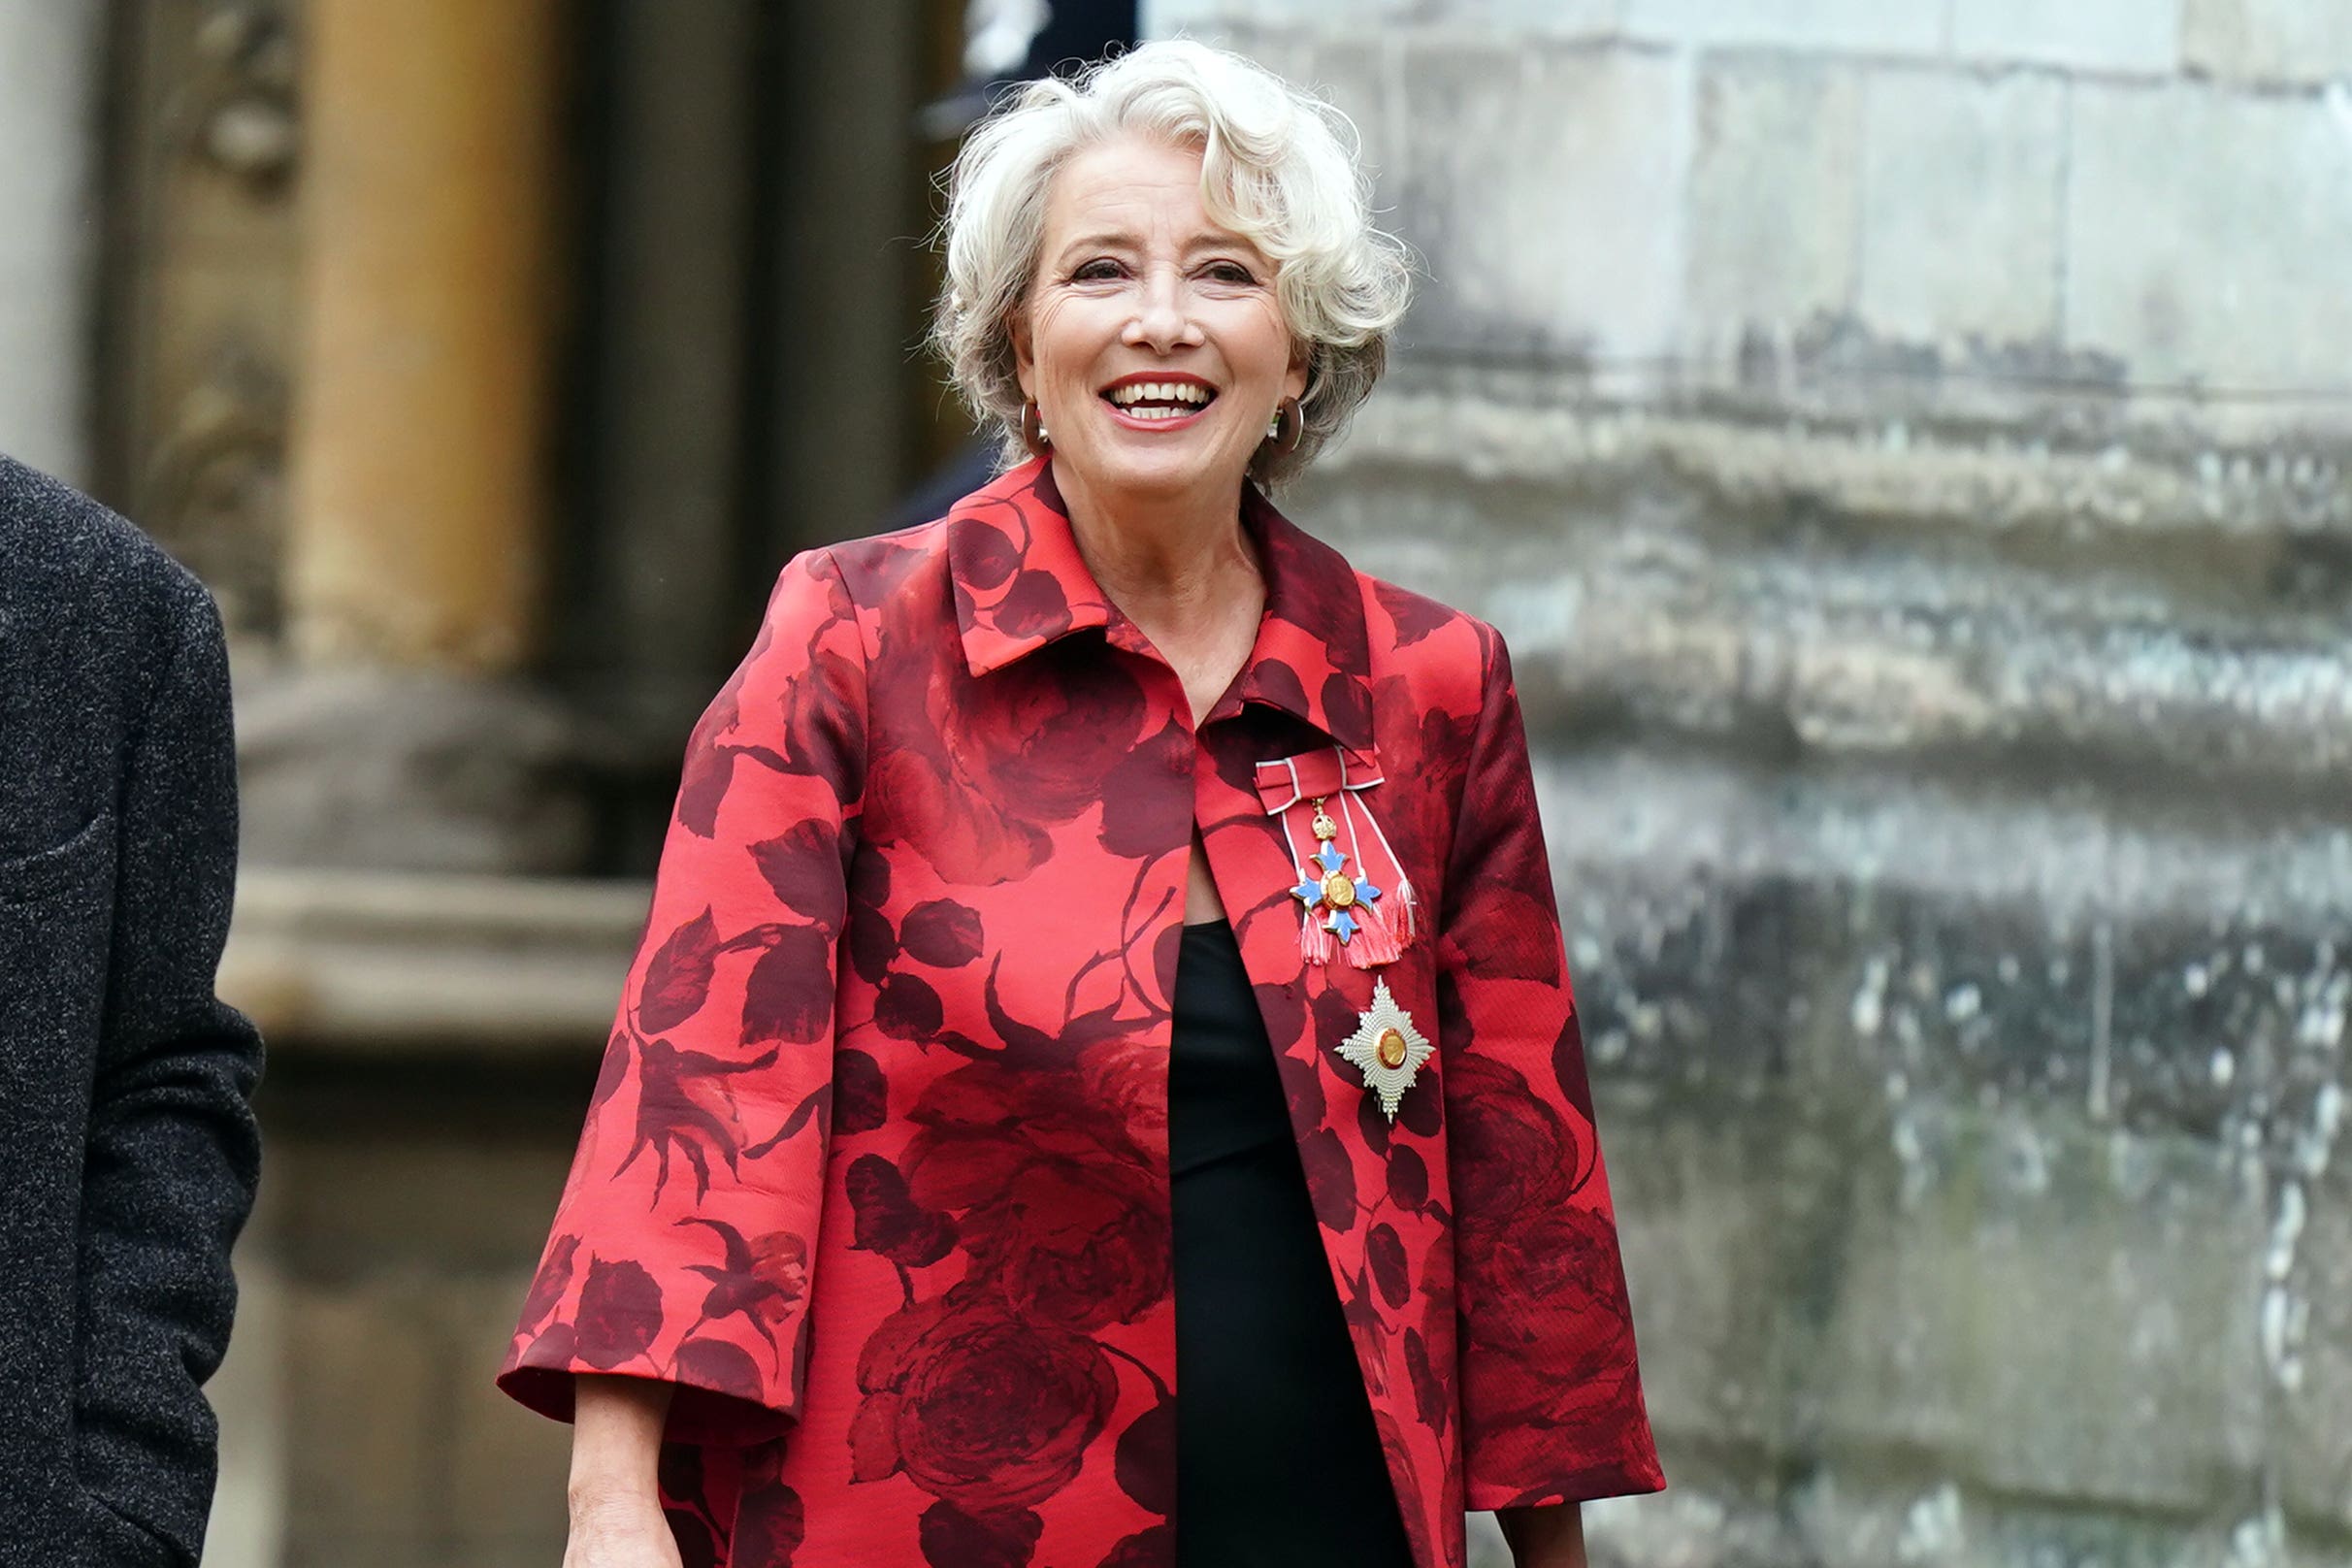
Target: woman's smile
1159 402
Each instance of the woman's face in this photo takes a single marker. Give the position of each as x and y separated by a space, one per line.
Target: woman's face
1150 339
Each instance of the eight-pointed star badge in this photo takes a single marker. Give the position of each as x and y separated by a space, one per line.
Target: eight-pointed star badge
1386 1048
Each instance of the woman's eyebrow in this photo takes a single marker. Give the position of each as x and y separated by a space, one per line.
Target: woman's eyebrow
1221 240
1101 239
1126 240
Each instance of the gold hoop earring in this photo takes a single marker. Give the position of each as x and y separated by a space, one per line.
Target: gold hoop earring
1287 427
1033 430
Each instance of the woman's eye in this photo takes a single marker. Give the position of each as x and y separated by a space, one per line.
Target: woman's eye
1231 271
1095 272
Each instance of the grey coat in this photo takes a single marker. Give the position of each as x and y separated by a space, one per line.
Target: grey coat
128 1154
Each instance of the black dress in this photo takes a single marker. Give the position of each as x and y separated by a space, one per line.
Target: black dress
1277 1461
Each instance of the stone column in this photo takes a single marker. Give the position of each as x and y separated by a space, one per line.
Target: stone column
49 74
421 442
405 732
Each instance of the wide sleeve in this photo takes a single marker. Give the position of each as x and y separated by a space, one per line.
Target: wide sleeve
682 1245
169 1171
1551 1392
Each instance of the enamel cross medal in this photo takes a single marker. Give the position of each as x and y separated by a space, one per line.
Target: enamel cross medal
1344 910
1336 900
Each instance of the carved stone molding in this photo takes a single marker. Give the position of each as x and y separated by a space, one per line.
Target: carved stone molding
199 294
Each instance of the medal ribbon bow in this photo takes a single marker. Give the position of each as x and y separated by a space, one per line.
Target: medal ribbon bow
1367 912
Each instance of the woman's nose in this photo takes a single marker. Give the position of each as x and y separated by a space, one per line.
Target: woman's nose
1163 319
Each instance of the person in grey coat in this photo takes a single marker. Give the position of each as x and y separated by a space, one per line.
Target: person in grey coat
128 1153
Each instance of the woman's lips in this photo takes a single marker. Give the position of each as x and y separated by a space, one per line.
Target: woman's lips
1155 418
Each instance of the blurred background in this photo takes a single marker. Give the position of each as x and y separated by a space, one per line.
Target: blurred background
1905 441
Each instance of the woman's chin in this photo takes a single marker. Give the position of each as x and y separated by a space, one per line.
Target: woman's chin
1158 465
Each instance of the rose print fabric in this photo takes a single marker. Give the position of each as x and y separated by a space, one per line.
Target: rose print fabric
876 1173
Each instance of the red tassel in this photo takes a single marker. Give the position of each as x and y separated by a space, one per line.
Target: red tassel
1373 944
1402 895
1314 942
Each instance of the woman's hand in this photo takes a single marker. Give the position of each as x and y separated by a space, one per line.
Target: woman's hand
615 1493
1545 1537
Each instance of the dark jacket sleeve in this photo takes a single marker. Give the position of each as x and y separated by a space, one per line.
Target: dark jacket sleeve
173 1154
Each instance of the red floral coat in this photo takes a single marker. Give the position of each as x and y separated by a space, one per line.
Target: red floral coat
875 1172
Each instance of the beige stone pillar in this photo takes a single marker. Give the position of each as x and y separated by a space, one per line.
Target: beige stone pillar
420 442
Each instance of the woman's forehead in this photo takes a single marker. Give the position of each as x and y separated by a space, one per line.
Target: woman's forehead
1133 191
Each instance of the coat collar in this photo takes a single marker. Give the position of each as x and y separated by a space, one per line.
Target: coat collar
1020 583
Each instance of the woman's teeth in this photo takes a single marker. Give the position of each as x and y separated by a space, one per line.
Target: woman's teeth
1159 400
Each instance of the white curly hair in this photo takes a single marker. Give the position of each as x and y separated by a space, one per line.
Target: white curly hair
1278 166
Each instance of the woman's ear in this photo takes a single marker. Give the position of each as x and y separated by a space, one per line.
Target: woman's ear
1294 379
1024 361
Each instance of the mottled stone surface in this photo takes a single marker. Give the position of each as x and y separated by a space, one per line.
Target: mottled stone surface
1775 198
1961 206
49 91
397 770
411 1208
2095 34
2205 230
1570 246
1878 26
2269 41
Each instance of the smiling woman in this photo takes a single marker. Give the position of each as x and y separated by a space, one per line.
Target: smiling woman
1101 1086
1151 341
1273 184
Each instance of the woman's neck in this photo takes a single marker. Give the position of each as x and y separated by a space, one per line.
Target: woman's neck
1180 566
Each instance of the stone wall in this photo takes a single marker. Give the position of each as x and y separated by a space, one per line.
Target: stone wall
1905 442
48 127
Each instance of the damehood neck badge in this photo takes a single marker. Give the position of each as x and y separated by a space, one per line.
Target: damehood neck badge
1386 1048
1354 899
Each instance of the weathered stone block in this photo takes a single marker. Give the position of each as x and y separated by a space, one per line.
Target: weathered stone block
1204 19
248 1397
2221 1026
2308 1289
2169 190
2099 35
1813 1279
1775 198
2268 40
1694 1223
1873 26
508 1464
368 1415
1553 18
1993 1258
1569 243
1961 184
363 766
48 73
353 1208
1878 1511
1200 19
